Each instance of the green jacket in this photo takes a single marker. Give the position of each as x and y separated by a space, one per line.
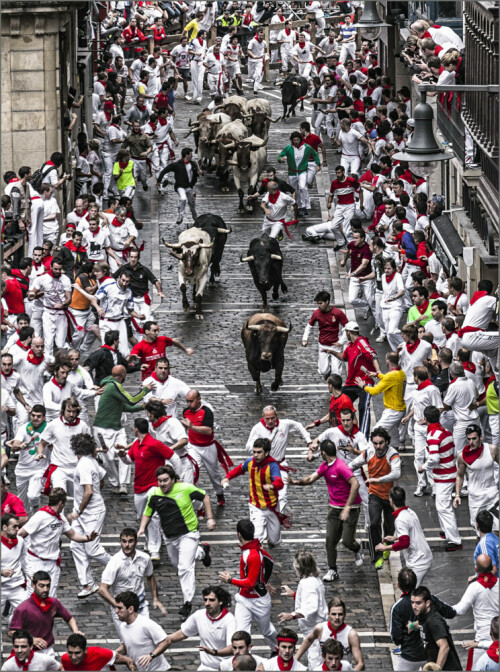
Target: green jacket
293 169
115 401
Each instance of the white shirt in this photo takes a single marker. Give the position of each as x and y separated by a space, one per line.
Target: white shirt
50 207
288 40
341 440
119 234
113 132
81 379
180 56
280 208
127 573
88 472
390 289
32 378
256 49
461 393
54 289
272 664
434 328
96 243
418 554
484 605
215 64
53 396
14 558
44 532
136 68
278 437
39 663
115 301
462 302
214 634
302 52
427 396
59 433
310 602
409 361
169 432
26 464
171 388
481 312
141 637
350 142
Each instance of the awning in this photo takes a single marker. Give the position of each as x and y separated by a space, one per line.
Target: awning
446 243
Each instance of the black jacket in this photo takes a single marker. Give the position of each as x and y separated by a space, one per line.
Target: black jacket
100 364
178 168
411 643
72 266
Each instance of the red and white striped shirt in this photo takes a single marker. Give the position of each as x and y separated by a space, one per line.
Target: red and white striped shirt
441 453
344 190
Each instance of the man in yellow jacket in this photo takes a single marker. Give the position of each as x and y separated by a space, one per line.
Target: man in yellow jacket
392 385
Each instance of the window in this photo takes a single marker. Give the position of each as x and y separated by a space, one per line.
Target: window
449 9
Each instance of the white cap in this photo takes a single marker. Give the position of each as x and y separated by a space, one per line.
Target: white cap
352 326
411 122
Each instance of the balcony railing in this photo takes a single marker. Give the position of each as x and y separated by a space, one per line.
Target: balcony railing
480 219
451 124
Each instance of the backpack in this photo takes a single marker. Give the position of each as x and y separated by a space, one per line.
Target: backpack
39 175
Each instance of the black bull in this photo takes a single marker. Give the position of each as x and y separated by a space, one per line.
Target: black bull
264 337
293 89
216 228
266 265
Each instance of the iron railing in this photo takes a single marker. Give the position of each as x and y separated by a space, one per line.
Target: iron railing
479 217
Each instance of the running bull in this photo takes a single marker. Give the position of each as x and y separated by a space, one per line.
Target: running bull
293 89
266 265
216 228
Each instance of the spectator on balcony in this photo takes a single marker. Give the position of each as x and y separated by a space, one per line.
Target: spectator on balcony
440 34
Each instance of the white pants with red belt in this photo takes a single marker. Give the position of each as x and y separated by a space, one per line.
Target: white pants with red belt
187 473
305 69
485 342
391 318
197 72
207 455
153 535
255 71
39 565
14 595
120 476
391 421
215 84
266 524
92 550
342 219
143 307
351 163
362 293
83 339
272 227
258 609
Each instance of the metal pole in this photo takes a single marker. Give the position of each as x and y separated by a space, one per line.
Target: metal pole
486 88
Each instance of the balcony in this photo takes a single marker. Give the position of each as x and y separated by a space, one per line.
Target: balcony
479 217
451 125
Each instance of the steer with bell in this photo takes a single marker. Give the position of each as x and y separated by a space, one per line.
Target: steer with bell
264 336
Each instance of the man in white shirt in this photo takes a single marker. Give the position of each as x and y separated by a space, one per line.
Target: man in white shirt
275 205
277 431
50 212
434 326
257 56
215 67
480 313
392 305
461 397
126 571
24 658
143 639
348 140
168 389
302 56
169 431
197 52
286 40
327 96
31 371
57 389
14 563
110 146
233 55
122 233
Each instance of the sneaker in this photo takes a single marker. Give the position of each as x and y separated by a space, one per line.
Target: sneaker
207 559
358 558
156 561
221 500
280 236
179 220
419 492
379 564
442 535
450 547
386 555
188 97
381 338
331 575
464 492
337 248
122 490
185 610
86 593
201 512
397 651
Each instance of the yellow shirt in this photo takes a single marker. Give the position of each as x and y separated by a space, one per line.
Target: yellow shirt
191 29
392 384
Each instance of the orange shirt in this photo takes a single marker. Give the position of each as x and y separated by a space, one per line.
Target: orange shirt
78 301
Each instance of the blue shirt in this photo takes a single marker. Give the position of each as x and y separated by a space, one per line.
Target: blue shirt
488 544
346 32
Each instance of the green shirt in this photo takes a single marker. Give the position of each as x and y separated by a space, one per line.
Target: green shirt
175 509
413 313
127 177
492 399
114 401
293 168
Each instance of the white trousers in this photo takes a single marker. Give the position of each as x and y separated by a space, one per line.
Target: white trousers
116 476
36 231
391 318
38 565
361 293
348 50
446 512
286 59
305 69
255 71
342 217
378 311
92 550
186 196
55 329
328 364
207 455
215 84
403 665
351 163
363 493
153 535
459 438
14 595
328 230
257 609
266 523
391 421
420 572
183 552
29 489
485 342
141 170
420 443
273 229
108 181
283 493
120 326
329 121
143 308
37 320
63 478
187 473
82 340
197 72
299 183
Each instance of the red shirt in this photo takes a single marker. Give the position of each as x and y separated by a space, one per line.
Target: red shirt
203 417
28 616
150 352
357 256
358 105
12 504
313 141
345 190
338 405
158 33
148 455
358 354
329 324
96 658
14 296
161 100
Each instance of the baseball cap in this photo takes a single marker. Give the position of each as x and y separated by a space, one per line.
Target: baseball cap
411 122
352 326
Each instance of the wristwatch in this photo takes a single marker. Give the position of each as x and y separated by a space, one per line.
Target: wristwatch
152 654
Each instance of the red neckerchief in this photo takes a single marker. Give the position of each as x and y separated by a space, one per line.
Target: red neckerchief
153 126
116 126
398 511
123 165
116 222
69 424
423 307
94 233
217 56
142 109
436 294
200 40
282 665
423 385
22 665
469 366
287 31
274 197
33 359
411 347
492 652
487 580
476 296
162 121
263 423
333 631
14 179
160 421
302 44
154 376
50 511
221 615
457 298
7 375
471 455
107 347
355 431
108 115
390 278
54 381
10 543
43 607
49 163
73 248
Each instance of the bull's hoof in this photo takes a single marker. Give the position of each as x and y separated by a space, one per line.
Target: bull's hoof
199 316
225 188
185 307
258 388
293 114
276 296
241 211
249 208
284 289
275 385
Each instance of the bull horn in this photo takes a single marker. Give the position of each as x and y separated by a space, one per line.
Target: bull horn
205 246
256 327
189 122
177 255
169 245
229 145
282 330
245 259
277 257
232 163
224 230
273 121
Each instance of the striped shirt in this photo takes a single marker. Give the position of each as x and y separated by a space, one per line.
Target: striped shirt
344 190
268 471
441 451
